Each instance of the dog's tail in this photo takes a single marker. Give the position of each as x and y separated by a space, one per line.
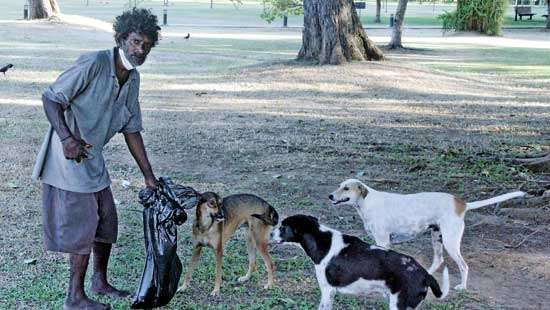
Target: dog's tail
270 217
432 283
497 199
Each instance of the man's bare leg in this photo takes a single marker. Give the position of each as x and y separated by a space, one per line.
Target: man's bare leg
100 285
76 297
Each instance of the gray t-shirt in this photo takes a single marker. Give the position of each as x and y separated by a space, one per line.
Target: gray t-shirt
96 111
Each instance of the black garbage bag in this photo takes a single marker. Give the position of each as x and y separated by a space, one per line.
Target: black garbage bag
163 211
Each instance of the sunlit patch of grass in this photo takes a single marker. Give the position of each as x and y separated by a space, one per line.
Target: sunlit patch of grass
516 62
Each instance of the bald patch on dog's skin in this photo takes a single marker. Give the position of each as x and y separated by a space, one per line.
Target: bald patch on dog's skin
460 207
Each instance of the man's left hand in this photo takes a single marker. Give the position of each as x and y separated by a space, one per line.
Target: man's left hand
151 183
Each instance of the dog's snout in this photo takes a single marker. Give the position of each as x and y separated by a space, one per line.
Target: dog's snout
219 217
331 197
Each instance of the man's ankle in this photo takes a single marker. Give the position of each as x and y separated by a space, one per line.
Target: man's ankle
100 280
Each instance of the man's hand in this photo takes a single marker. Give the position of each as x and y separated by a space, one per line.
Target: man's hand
75 148
151 183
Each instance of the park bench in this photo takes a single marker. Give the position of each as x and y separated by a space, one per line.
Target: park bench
523 11
360 5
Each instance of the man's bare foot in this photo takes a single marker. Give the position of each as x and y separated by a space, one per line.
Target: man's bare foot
84 303
109 290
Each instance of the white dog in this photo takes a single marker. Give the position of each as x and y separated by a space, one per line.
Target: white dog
386 213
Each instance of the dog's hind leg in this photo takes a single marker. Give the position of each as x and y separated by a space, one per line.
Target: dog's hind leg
327 295
194 259
261 242
437 243
393 301
398 301
451 240
251 248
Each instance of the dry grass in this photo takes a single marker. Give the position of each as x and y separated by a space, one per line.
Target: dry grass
458 110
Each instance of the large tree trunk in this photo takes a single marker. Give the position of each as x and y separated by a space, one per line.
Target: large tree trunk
395 41
333 34
44 8
378 6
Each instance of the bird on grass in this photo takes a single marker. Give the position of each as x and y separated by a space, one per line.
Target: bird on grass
4 69
187 36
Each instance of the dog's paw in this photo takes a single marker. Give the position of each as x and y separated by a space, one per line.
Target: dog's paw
215 293
244 279
460 287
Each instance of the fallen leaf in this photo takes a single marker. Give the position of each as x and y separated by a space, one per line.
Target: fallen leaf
125 183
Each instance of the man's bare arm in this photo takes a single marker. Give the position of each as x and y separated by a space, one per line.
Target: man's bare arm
137 149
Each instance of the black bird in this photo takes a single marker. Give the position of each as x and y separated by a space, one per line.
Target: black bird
187 36
4 69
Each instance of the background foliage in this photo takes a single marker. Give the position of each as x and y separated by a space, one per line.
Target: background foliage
485 16
274 9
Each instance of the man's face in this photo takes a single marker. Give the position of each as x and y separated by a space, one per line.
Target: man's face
136 47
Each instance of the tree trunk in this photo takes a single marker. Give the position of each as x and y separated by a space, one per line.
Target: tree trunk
395 41
333 34
378 6
44 8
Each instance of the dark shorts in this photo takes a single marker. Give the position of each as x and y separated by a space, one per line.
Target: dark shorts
73 221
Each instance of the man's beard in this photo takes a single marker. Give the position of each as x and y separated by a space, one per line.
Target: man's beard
135 60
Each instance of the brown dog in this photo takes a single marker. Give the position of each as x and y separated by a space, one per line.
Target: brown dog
217 220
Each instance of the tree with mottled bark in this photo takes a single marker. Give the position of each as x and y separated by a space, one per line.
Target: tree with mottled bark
397 31
333 34
44 8
378 6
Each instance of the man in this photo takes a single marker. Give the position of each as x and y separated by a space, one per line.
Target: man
86 106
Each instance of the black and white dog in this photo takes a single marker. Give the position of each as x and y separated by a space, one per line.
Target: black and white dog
348 265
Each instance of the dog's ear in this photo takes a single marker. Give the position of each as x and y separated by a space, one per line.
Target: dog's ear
200 198
363 190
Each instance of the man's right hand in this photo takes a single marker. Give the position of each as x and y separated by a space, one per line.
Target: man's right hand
75 148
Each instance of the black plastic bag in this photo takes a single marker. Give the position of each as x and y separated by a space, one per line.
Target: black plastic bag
163 211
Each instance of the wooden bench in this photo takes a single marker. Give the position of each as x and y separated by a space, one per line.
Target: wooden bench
523 11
